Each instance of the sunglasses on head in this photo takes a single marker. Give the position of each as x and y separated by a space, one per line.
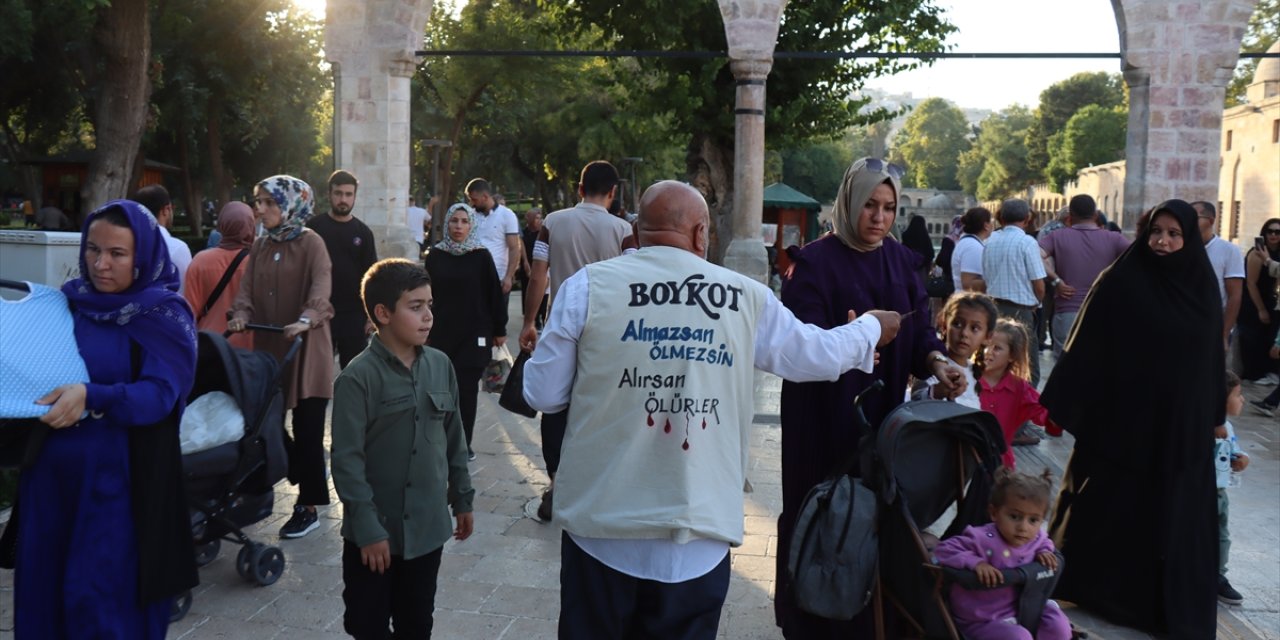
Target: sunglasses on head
880 166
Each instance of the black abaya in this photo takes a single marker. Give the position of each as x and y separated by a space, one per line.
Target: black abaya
1141 387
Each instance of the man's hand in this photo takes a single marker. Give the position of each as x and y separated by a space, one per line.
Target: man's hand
1048 559
529 338
890 323
236 325
506 284
1065 290
989 575
1264 316
466 523
68 405
499 341
376 556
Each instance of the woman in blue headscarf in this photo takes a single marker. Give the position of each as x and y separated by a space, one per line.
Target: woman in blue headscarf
103 540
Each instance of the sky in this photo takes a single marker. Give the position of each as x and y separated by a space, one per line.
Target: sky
1024 26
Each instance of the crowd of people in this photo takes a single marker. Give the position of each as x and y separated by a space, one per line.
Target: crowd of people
642 355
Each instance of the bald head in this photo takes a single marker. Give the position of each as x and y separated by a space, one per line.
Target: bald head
673 214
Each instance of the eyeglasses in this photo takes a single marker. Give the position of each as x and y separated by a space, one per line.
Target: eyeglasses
880 166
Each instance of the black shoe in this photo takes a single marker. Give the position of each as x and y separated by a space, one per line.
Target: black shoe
302 522
1262 406
471 456
1227 594
544 509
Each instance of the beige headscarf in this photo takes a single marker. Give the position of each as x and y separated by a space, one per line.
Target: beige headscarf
860 180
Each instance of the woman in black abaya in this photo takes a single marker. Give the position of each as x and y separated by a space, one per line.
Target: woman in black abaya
1140 386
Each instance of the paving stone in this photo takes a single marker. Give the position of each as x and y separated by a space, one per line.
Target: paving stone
214 627
302 610
531 629
521 573
463 595
524 602
461 625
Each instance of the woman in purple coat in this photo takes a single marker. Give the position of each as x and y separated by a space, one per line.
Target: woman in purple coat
856 268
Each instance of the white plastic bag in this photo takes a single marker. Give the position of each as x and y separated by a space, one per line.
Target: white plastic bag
213 419
495 373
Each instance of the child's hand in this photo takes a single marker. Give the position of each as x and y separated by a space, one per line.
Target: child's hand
465 525
1220 432
376 556
1048 559
1239 463
989 575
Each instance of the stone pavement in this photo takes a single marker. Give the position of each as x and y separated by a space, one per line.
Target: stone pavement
503 583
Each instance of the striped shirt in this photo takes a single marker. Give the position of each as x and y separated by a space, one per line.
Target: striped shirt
1010 263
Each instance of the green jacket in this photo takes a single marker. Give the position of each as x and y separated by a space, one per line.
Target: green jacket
399 456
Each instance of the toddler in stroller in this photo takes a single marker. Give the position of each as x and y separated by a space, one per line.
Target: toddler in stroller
1019 505
926 456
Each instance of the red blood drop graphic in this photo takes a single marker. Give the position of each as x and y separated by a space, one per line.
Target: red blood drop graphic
651 419
667 428
685 446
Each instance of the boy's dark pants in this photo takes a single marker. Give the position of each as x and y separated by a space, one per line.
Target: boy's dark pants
405 596
599 602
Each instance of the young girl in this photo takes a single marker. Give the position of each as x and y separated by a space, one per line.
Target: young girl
1019 504
1004 369
967 321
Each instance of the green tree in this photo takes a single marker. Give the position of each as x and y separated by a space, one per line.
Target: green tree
1094 135
1262 31
931 142
807 99
996 166
1061 101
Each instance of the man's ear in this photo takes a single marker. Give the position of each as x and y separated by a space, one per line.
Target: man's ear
700 239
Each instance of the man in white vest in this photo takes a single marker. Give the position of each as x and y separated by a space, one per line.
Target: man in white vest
656 351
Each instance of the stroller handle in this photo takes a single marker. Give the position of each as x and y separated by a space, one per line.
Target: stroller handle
271 328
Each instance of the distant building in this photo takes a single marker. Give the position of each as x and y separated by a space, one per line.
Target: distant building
936 206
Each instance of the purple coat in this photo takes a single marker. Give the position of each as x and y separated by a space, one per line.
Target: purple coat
818 422
984 544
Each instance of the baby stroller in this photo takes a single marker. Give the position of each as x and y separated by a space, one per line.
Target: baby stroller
229 486
925 456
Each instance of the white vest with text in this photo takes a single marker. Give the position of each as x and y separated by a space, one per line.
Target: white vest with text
657 438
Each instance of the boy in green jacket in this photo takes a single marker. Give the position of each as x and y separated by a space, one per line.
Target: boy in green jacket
399 460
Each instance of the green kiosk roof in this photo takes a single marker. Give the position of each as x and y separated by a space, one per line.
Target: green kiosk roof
783 197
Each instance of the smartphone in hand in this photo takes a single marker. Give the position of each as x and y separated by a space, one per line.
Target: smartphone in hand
1260 243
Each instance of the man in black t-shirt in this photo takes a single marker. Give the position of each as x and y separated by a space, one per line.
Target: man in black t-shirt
352 252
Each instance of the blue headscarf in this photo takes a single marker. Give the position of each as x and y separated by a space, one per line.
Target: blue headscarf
296 202
151 303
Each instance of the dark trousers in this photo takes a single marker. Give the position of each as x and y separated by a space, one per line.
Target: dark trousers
306 452
541 317
597 602
349 339
1027 317
405 596
553 426
468 391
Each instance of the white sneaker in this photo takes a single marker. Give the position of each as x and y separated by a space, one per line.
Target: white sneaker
1268 380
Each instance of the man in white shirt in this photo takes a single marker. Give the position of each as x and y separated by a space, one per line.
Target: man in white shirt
1228 266
419 221
1014 273
156 199
497 229
656 351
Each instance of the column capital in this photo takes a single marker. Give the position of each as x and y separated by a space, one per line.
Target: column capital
751 69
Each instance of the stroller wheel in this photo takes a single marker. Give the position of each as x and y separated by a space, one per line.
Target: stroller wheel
268 565
180 606
208 552
244 559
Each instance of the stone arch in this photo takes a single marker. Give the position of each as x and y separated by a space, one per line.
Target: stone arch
1177 59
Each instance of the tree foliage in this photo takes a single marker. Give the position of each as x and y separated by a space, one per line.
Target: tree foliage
996 166
807 99
1061 101
930 143
1094 135
1262 31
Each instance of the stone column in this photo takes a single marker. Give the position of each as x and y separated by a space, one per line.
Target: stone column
751 28
1177 61
371 44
